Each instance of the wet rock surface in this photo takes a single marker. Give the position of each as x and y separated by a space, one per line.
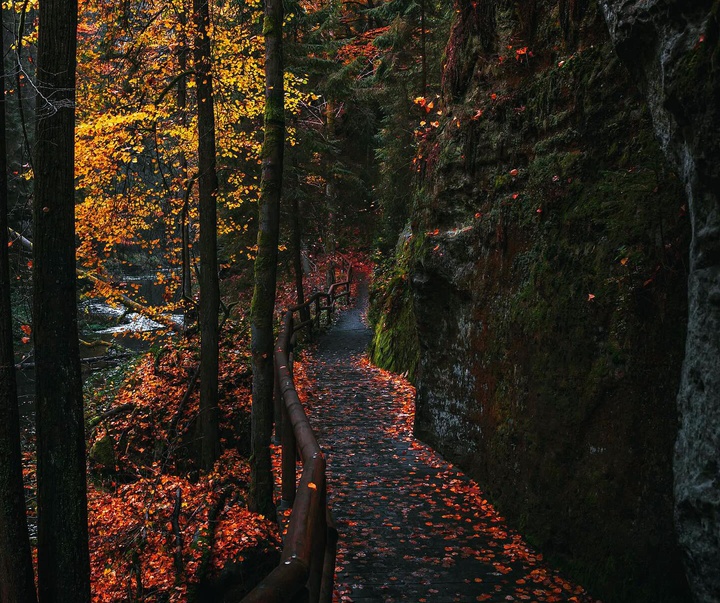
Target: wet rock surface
549 275
673 47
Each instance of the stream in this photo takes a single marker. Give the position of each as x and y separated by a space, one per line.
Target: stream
105 325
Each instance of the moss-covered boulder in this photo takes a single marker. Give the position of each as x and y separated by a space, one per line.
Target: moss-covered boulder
102 453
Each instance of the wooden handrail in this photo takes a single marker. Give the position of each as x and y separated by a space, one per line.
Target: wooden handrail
307 565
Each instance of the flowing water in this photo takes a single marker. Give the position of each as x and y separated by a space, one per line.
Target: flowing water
107 327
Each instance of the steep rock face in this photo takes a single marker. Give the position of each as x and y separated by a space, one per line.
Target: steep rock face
549 278
674 49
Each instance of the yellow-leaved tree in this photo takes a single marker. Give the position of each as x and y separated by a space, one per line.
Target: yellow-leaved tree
137 136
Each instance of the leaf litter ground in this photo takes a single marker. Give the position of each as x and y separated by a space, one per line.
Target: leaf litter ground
159 529
412 526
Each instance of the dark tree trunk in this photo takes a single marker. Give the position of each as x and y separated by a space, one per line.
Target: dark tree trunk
16 572
423 49
263 303
297 257
209 286
182 55
330 243
186 260
63 560
477 21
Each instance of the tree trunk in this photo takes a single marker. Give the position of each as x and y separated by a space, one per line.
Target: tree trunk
63 559
330 243
423 50
186 260
182 55
297 257
263 303
16 571
209 286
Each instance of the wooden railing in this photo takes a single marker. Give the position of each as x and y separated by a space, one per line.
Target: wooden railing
307 565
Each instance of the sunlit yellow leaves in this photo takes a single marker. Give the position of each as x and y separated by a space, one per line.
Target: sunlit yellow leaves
18 6
137 144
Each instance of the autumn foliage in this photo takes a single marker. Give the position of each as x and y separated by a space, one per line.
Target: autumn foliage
159 529
137 129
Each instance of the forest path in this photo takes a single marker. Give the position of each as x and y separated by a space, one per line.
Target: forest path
412 526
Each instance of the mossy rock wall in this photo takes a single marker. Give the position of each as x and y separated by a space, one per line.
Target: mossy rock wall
394 346
548 275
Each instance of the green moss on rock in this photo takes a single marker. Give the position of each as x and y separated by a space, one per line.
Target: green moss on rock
394 346
103 453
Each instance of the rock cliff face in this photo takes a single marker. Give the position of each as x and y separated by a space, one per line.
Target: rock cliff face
549 278
673 48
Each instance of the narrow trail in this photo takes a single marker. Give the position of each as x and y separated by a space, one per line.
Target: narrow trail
412 526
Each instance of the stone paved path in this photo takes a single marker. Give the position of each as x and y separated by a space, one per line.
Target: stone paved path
412 526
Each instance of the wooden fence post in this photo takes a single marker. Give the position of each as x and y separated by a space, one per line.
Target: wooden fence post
317 565
278 404
328 578
289 460
308 571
